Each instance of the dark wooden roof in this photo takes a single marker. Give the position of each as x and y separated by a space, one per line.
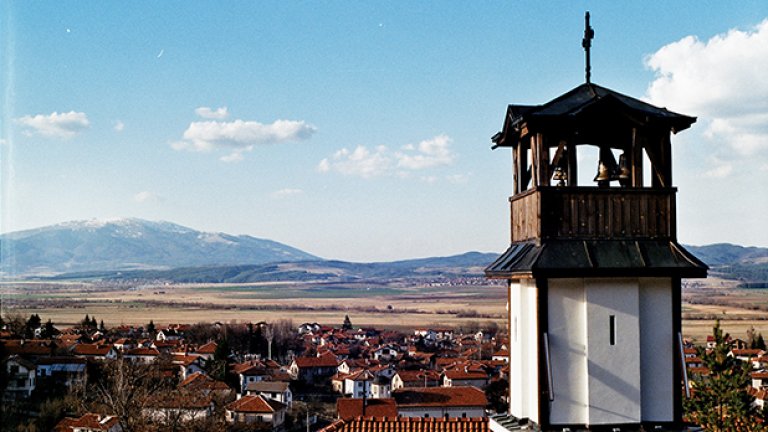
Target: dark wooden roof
587 100
601 258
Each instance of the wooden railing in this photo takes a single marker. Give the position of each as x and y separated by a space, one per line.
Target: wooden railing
593 213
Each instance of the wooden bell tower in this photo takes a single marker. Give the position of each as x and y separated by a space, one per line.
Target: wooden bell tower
594 271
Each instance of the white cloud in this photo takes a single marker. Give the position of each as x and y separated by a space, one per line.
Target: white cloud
119 126
146 196
54 125
720 170
235 156
287 192
240 136
219 114
360 162
378 161
429 153
721 80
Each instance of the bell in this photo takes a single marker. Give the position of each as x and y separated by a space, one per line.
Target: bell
603 176
624 172
560 175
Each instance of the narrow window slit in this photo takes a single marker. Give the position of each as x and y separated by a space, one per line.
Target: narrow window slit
612 329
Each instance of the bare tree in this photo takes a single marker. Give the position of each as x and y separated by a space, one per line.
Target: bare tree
125 390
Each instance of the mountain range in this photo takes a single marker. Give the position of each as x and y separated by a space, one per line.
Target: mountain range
140 249
132 244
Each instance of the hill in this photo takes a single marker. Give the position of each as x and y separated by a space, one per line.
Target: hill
746 264
131 244
470 264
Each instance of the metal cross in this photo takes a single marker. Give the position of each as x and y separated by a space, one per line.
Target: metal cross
589 34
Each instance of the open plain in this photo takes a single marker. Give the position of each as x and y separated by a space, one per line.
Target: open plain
391 305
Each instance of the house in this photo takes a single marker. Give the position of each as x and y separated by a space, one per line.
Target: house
385 353
168 334
207 351
254 409
309 328
501 355
415 378
358 384
381 387
312 369
65 371
180 407
348 408
89 422
142 355
275 390
20 374
202 383
759 379
250 372
95 351
464 378
188 364
441 402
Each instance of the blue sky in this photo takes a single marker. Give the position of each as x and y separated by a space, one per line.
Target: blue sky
358 130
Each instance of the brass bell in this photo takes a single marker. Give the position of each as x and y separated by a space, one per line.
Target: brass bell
603 176
624 172
560 175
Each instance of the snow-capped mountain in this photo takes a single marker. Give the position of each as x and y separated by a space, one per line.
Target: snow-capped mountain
122 244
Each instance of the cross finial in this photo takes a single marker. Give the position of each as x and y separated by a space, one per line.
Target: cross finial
589 34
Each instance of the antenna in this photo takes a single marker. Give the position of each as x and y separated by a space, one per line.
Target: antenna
586 43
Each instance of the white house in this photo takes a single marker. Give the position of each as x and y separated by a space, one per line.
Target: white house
21 378
275 390
254 409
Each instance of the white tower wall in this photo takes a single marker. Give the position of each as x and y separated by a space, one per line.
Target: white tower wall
523 362
611 350
613 361
657 353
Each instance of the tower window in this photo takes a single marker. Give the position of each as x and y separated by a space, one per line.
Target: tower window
612 329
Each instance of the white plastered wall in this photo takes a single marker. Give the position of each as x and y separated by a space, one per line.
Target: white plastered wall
568 351
614 370
523 362
657 354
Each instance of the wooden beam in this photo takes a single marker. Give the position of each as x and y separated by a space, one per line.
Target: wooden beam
636 158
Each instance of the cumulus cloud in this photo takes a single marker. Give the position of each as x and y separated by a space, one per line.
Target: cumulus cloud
427 154
721 80
206 112
240 136
378 161
119 126
54 125
360 162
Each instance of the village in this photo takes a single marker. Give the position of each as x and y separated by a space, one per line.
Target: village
276 376
272 376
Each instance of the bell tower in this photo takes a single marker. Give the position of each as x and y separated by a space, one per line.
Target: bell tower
594 270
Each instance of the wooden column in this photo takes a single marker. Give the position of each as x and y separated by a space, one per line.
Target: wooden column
636 158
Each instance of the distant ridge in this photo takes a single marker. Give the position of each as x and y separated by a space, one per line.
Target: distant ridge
131 244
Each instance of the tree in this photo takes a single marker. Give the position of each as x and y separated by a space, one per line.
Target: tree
151 328
720 402
48 331
125 390
33 323
347 323
760 342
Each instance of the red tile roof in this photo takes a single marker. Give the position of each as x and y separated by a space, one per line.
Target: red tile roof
255 404
351 408
90 421
440 396
409 424
325 360
91 349
209 348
